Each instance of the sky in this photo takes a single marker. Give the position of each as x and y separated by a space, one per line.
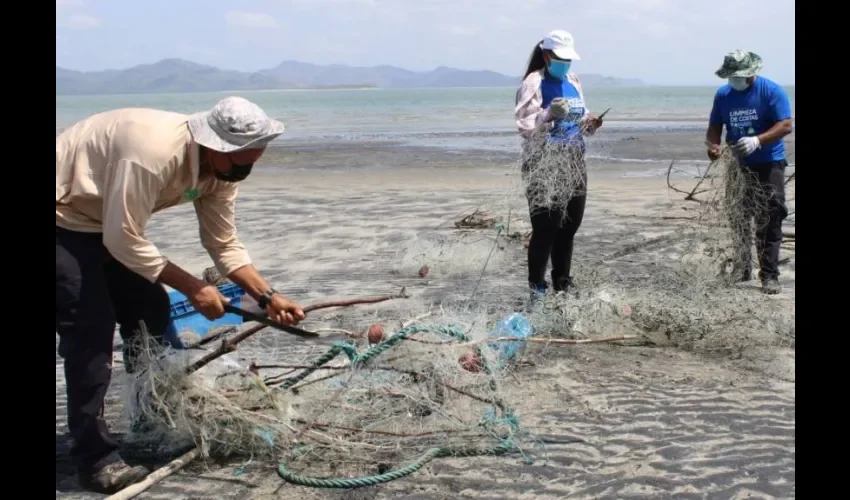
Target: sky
667 42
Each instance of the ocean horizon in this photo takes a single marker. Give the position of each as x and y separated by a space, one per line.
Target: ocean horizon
459 118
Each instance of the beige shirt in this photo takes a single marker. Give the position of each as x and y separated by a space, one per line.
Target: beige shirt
115 169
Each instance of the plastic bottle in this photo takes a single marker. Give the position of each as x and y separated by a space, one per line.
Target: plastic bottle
514 325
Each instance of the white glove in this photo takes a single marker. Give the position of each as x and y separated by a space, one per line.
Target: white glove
558 107
746 145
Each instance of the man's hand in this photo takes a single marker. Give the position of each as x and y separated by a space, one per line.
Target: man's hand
209 302
558 107
713 151
746 146
284 310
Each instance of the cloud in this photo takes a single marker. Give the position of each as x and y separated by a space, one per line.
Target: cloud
336 2
460 29
79 22
250 19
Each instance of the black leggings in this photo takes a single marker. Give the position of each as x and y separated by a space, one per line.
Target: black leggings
552 238
93 293
553 231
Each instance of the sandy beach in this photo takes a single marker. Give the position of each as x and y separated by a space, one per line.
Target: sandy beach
621 421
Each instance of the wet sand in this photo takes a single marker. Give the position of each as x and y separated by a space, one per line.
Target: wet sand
350 221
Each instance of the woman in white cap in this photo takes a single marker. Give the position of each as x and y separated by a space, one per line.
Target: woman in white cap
552 119
113 171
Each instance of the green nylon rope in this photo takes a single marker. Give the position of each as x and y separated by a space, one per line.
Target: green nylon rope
360 482
359 359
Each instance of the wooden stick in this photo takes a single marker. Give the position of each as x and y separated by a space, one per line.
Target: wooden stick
415 320
156 476
550 340
229 345
689 196
350 302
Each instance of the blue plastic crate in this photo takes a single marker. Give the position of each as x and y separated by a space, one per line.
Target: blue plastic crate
188 327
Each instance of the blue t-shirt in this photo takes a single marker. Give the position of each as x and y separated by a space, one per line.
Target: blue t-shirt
565 129
750 113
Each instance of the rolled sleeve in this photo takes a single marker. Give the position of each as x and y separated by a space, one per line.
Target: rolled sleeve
217 226
128 201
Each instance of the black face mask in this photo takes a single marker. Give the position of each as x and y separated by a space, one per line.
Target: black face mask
237 173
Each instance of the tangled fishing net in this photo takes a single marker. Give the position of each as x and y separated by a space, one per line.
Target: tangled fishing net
551 173
359 412
362 411
697 296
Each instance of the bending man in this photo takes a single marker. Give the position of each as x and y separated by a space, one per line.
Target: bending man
113 170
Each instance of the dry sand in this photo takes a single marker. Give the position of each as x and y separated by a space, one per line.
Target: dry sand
619 421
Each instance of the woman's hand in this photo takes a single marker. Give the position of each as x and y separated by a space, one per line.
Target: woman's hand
591 124
558 108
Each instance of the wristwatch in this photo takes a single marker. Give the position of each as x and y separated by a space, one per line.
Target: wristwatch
266 298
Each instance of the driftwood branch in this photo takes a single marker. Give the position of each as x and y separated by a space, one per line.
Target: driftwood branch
790 178
351 302
229 345
690 195
156 476
549 340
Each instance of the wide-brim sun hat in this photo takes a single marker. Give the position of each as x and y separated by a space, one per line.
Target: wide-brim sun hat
740 64
234 124
561 44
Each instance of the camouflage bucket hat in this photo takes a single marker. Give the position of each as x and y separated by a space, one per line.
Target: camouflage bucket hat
740 63
234 124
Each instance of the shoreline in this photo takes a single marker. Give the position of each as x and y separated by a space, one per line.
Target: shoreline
614 154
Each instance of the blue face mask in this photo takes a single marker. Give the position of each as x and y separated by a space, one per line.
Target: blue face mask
559 69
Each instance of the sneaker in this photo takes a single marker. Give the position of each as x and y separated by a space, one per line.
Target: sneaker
567 287
536 296
771 286
113 477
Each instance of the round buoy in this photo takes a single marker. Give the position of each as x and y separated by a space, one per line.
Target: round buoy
375 334
470 362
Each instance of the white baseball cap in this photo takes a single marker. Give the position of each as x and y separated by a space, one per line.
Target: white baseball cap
561 43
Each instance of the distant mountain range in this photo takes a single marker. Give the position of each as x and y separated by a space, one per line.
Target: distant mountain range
177 75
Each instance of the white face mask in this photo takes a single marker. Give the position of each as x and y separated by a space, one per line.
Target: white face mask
738 83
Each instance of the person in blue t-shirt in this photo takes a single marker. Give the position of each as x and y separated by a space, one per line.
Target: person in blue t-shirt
552 118
757 115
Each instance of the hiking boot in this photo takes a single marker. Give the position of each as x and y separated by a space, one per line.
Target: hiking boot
113 477
771 286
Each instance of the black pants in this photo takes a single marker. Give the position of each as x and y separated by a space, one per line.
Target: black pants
553 230
764 203
93 292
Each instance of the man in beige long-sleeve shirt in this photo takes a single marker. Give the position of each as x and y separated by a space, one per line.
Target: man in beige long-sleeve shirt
113 171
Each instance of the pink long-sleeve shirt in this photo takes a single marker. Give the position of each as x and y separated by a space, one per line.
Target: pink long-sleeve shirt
115 169
532 119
